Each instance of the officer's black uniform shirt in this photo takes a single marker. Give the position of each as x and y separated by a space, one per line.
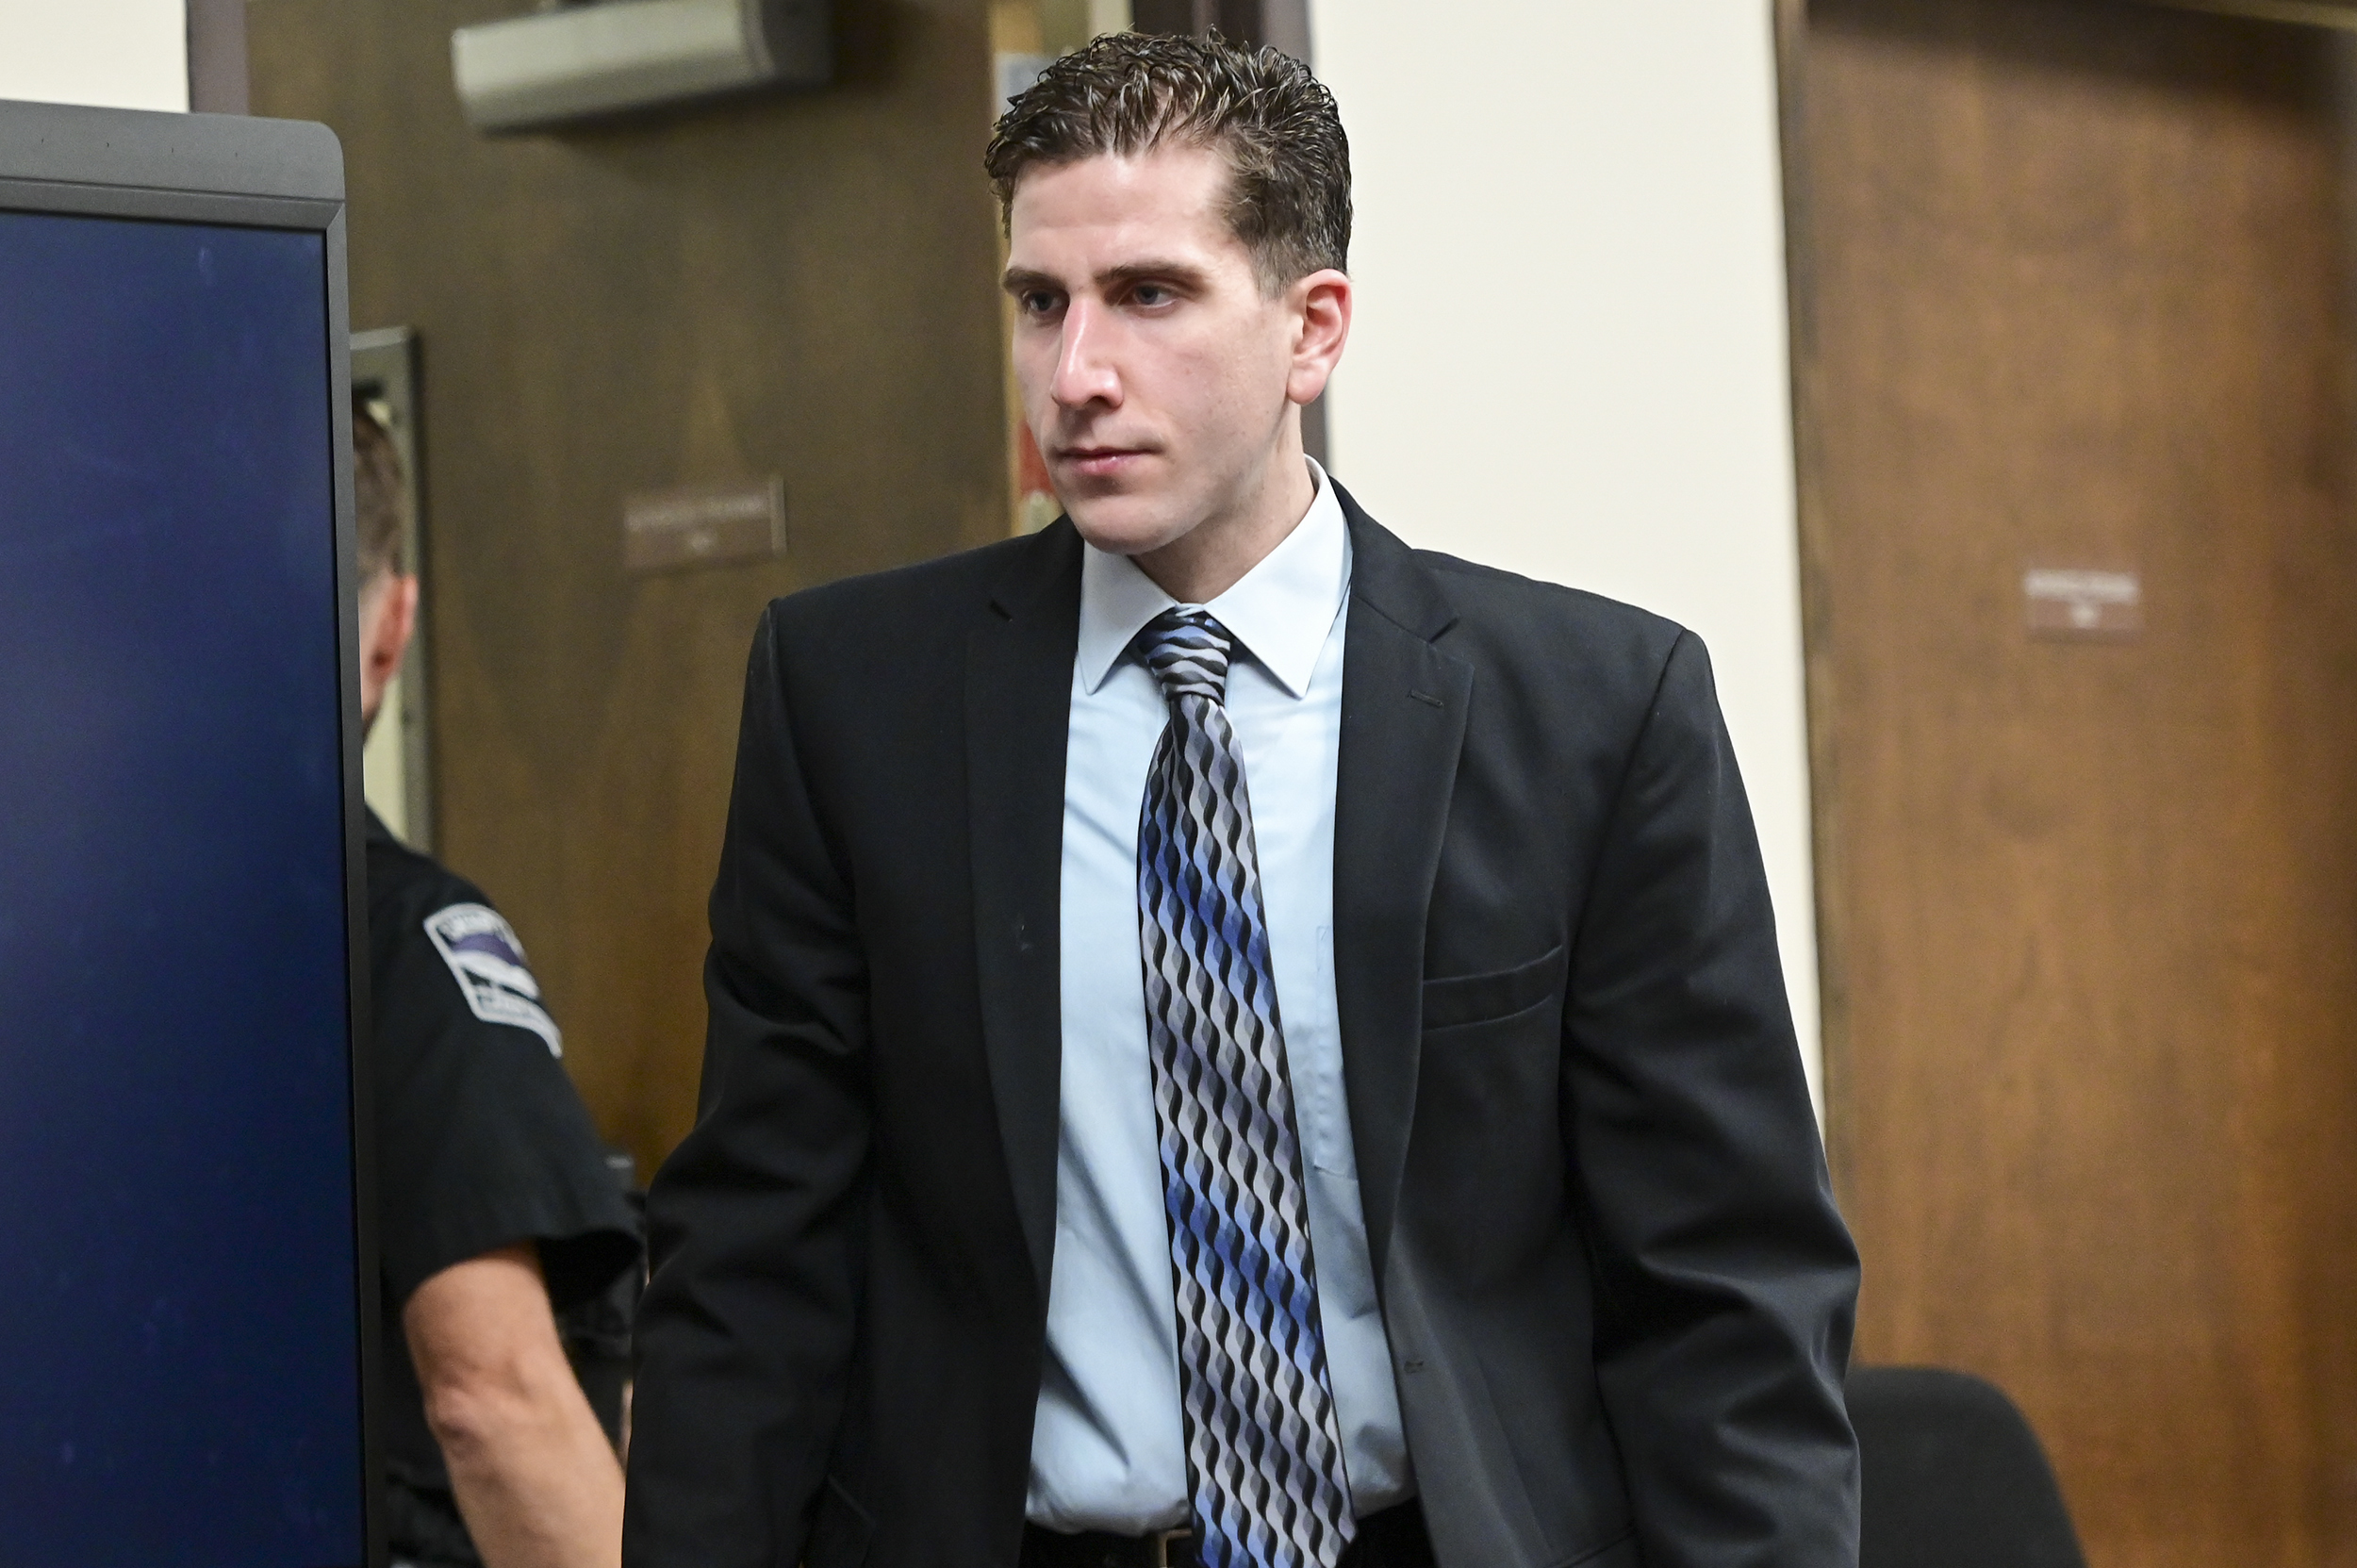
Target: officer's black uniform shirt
482 1142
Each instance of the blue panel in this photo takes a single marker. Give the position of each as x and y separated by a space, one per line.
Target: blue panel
178 1330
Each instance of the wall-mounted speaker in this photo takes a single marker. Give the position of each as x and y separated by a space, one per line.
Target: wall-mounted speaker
584 61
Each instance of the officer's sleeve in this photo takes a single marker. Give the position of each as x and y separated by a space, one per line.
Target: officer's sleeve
482 1141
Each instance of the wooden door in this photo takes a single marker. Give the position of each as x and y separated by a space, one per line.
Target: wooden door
2071 291
796 284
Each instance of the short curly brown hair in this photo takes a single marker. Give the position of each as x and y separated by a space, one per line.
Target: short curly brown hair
375 495
1129 94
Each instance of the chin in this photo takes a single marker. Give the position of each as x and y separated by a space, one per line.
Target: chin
1125 526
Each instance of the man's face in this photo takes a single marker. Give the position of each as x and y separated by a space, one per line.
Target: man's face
1154 372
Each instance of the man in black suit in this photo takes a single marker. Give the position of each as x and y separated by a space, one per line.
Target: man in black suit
1233 1041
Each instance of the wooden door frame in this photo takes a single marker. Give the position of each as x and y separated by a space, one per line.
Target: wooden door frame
1791 21
217 59
1283 24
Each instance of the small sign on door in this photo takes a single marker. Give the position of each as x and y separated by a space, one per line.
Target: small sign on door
704 525
2083 601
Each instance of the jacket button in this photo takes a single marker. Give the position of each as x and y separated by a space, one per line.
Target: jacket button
1413 1364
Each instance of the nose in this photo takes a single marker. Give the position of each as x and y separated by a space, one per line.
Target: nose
1084 373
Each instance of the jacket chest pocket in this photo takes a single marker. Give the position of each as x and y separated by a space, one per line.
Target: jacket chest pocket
1456 1000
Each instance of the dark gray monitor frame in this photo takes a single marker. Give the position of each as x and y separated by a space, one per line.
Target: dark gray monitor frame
253 174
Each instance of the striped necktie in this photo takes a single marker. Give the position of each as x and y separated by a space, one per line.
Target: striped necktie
1264 1455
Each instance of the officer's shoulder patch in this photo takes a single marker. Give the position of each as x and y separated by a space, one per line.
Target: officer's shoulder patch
484 956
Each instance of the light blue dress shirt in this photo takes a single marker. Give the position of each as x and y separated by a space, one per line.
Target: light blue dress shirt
1108 1451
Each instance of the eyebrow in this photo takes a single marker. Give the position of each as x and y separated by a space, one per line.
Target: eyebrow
1018 279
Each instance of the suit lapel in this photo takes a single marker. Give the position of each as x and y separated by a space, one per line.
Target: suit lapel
1403 725
1404 708
1019 708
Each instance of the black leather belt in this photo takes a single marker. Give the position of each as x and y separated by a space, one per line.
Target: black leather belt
1392 1539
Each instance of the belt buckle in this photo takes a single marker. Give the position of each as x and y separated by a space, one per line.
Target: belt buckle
1166 1539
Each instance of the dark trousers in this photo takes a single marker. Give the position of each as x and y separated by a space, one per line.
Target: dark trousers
1391 1539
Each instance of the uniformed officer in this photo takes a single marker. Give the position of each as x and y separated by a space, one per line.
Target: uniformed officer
496 1207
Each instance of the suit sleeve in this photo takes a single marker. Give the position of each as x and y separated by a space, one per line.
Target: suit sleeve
743 1340
1728 1282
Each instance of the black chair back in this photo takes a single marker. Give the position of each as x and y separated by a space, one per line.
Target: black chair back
1953 1476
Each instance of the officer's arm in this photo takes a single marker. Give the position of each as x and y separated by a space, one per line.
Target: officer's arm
537 1483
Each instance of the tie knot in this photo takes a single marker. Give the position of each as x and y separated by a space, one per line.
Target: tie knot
1187 650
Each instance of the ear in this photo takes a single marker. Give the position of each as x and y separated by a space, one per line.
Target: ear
388 614
1320 307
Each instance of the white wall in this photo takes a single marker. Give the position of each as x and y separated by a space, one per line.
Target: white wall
115 53
1570 355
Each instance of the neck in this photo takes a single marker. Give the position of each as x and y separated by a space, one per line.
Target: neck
1214 555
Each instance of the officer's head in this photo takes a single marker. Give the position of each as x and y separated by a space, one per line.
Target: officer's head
1177 217
388 594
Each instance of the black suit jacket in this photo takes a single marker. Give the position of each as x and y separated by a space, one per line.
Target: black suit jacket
1619 1295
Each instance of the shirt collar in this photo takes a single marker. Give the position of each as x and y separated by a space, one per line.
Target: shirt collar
1279 613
